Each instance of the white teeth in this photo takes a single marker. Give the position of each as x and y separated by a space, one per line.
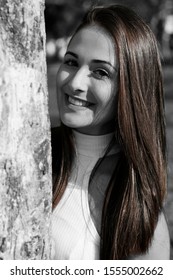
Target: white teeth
78 102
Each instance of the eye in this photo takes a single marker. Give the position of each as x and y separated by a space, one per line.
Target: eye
101 73
70 62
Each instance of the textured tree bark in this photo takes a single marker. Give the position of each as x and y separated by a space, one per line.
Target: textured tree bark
25 151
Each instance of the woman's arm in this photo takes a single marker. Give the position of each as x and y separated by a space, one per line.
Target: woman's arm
160 246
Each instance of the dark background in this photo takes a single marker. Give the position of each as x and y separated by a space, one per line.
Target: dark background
63 16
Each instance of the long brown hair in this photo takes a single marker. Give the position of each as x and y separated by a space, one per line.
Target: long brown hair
136 191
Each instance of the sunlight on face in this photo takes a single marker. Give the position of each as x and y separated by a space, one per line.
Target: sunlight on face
87 82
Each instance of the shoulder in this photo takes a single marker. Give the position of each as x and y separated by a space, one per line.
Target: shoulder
160 246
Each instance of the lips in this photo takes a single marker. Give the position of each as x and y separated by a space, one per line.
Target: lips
78 102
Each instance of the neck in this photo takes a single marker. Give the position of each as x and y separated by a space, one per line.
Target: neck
92 145
105 129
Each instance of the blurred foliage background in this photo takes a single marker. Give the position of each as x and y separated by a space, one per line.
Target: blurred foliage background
63 16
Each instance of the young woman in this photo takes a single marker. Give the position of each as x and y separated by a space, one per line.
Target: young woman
109 162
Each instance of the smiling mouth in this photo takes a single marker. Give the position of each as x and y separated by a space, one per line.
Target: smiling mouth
78 102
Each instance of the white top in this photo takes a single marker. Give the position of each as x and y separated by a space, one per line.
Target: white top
74 233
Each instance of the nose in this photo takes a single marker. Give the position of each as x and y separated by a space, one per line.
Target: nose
78 81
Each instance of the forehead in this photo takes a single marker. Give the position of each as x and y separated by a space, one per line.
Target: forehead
94 42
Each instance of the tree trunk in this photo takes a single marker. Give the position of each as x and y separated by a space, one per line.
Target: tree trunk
25 151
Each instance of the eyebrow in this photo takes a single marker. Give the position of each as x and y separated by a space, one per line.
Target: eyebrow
103 61
94 60
71 53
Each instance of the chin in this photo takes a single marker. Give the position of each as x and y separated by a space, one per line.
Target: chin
72 121
69 123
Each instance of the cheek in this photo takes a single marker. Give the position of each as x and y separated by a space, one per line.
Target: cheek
62 77
105 93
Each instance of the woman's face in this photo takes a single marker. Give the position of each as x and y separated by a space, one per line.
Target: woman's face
87 82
